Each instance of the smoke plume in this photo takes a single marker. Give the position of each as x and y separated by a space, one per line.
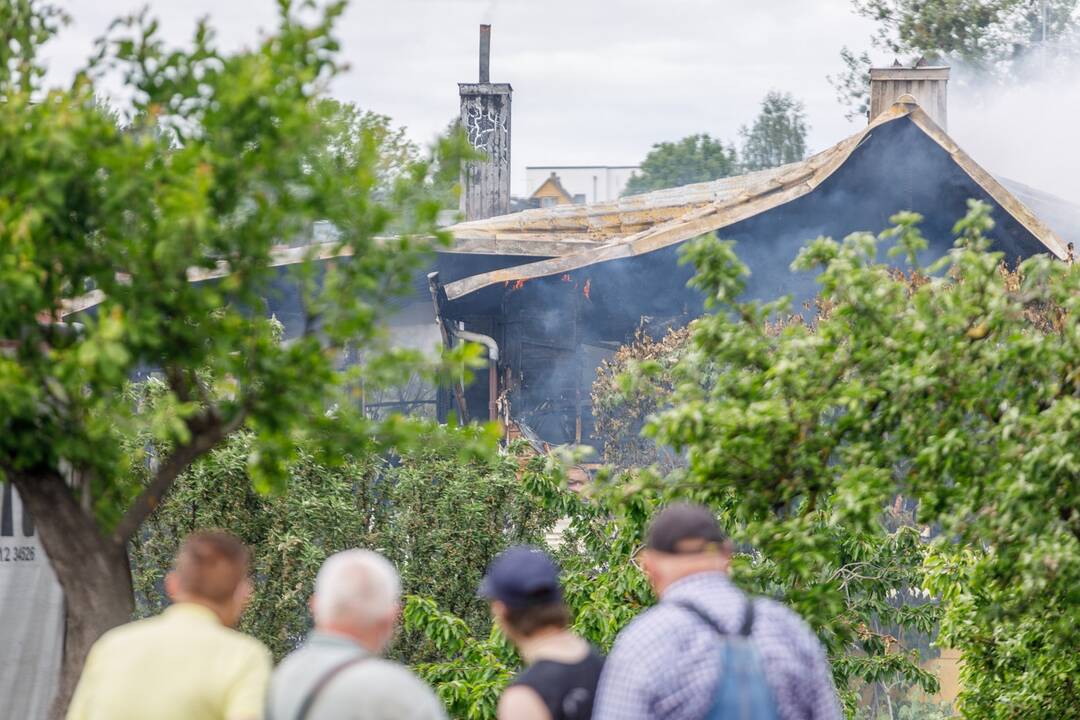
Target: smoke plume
1024 127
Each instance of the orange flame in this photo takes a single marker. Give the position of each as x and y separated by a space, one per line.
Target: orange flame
587 289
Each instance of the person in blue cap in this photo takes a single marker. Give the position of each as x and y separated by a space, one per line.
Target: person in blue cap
559 682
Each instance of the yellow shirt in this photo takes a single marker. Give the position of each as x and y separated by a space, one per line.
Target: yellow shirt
181 665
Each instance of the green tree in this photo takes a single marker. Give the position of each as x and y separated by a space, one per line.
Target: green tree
878 629
852 84
470 665
695 158
987 36
352 132
778 135
605 591
224 158
439 516
357 137
322 509
976 32
954 385
960 390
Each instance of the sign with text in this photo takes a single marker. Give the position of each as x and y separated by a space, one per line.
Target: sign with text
31 614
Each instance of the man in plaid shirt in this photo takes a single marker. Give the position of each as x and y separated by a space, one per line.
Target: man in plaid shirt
666 663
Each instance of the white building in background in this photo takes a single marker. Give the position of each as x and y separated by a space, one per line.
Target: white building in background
598 183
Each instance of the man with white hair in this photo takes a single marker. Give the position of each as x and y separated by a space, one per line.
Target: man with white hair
337 673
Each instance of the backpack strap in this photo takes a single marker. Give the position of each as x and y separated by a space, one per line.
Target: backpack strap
748 619
744 630
318 687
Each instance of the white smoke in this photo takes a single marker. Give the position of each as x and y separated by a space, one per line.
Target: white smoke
1024 126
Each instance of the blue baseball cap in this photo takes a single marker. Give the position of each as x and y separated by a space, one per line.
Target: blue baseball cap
520 577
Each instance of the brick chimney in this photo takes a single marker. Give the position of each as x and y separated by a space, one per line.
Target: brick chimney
927 84
485 116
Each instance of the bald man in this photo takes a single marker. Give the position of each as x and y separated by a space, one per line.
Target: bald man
339 674
186 663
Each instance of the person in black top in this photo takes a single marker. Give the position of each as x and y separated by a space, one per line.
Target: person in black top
559 682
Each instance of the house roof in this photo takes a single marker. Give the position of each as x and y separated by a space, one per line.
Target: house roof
553 182
568 237
1062 215
577 236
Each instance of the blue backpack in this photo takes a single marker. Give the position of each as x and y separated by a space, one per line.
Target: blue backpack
742 692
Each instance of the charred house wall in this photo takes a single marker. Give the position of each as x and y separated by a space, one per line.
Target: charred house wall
554 331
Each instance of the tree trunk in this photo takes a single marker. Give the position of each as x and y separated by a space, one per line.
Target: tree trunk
93 572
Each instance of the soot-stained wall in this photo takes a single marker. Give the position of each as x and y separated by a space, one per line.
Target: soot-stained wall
896 168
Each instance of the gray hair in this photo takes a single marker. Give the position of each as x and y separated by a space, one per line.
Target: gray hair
355 586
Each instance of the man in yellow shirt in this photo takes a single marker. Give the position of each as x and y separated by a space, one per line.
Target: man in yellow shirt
187 663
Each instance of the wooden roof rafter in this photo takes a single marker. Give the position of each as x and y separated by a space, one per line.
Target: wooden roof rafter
569 237
759 193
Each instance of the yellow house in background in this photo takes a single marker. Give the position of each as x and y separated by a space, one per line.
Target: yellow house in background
551 193
947 669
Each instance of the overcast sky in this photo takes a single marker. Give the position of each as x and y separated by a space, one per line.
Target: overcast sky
595 81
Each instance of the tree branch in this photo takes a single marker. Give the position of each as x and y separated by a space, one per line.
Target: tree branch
208 429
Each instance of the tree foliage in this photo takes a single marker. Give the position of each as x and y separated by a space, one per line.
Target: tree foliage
355 137
446 521
960 391
988 37
225 155
471 666
323 509
778 135
951 390
352 131
440 514
976 32
695 158
877 628
852 84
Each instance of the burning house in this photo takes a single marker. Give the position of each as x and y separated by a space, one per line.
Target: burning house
557 289
554 291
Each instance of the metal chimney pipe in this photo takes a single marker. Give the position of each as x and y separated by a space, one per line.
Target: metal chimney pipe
485 53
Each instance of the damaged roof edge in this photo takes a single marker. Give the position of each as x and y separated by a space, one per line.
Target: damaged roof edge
576 236
775 188
1001 195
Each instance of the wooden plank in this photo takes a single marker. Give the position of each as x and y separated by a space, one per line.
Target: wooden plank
909 74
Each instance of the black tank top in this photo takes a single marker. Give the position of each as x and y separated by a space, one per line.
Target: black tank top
567 689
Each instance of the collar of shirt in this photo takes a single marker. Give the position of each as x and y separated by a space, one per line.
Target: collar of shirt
692 586
189 611
321 639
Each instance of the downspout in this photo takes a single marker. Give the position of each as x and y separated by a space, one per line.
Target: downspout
493 373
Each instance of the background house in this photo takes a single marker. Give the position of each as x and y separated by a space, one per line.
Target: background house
597 183
551 193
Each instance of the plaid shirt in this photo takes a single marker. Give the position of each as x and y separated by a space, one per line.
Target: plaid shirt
665 664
